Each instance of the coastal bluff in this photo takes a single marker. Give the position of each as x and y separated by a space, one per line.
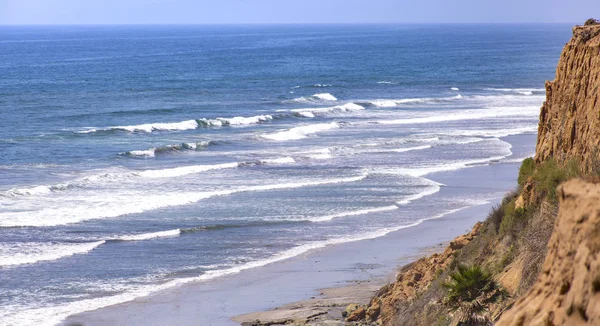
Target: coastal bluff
569 126
567 291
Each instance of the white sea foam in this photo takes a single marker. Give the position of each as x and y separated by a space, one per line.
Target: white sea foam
428 191
148 236
409 149
385 82
54 315
184 125
517 90
144 153
151 152
458 115
450 166
301 132
320 154
320 97
101 206
387 103
13 254
281 160
105 178
235 121
312 112
183 170
150 127
454 88
353 213
496 133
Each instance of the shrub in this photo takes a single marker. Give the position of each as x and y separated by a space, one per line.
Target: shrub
548 176
513 219
591 21
467 283
526 170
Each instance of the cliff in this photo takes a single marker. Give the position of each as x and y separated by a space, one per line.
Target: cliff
567 291
569 125
535 259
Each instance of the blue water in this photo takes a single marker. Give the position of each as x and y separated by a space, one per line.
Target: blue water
138 158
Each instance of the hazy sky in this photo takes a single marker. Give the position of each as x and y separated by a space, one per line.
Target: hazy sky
292 11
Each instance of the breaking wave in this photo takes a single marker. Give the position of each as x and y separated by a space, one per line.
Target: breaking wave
13 254
300 132
315 98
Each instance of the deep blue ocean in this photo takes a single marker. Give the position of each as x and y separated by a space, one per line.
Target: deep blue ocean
138 158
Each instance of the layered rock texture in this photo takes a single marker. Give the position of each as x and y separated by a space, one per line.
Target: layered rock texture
567 291
570 117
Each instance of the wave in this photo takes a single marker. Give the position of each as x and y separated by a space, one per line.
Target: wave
300 132
312 112
456 89
422 171
116 177
409 149
353 213
148 127
320 154
100 207
183 125
430 190
152 152
498 133
320 97
385 82
388 103
148 236
524 91
459 115
55 315
32 252
235 121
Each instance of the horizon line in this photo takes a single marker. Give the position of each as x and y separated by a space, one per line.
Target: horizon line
286 23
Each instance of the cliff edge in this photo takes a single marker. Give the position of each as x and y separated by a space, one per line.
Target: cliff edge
567 291
569 126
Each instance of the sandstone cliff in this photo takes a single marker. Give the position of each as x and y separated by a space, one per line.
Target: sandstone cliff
569 125
567 291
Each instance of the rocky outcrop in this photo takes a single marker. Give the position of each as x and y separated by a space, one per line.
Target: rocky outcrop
569 126
414 279
567 291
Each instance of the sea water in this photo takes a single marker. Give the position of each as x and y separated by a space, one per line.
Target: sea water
138 158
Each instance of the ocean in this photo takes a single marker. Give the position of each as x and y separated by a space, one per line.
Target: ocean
139 158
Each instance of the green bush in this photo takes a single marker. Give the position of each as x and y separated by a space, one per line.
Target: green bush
591 21
548 176
526 170
468 283
513 219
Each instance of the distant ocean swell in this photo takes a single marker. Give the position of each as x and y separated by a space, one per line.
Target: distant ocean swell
310 113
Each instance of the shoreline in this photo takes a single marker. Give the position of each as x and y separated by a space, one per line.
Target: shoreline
351 271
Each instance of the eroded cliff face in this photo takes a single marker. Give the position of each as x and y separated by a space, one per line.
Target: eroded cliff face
567 291
569 125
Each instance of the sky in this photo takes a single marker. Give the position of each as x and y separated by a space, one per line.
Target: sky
294 11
